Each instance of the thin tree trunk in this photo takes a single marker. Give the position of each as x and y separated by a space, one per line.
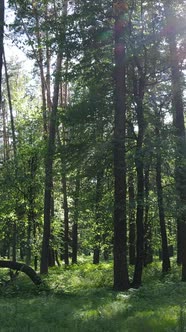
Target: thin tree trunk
97 239
14 237
5 133
121 278
63 103
10 109
132 224
75 224
39 58
66 220
2 8
148 257
140 193
165 252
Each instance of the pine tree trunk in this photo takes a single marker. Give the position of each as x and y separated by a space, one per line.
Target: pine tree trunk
121 278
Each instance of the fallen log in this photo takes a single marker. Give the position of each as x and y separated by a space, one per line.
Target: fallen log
23 268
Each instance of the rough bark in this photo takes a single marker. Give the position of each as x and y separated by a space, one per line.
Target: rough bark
121 279
23 268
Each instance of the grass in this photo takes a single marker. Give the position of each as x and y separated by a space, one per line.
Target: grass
80 299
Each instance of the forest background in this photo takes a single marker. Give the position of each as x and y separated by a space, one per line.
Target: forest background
92 146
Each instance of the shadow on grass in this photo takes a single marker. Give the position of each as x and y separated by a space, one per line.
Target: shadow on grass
76 303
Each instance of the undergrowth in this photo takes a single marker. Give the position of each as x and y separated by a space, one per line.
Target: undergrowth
80 299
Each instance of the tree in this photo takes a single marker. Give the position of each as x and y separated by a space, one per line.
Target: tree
2 7
178 121
121 279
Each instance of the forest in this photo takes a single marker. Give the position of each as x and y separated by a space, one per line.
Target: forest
92 165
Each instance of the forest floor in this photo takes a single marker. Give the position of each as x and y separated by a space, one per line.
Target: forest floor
80 299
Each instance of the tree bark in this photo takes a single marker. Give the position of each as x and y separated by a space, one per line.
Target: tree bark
121 278
140 192
75 223
165 252
97 239
132 224
178 121
148 256
48 170
2 8
23 268
66 220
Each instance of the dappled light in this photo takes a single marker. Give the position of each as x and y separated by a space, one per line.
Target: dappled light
92 165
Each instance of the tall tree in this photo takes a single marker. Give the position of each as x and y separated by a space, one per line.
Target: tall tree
165 253
121 279
48 170
178 121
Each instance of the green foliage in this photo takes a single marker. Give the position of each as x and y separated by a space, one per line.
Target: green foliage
80 298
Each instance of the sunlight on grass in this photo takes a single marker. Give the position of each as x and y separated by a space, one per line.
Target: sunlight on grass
80 299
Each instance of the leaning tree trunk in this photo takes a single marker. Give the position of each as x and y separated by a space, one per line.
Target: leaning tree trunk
121 278
23 268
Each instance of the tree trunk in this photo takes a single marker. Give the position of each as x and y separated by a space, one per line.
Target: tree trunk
97 238
121 278
6 147
48 170
140 194
66 221
75 224
23 268
148 257
14 236
132 224
2 8
178 121
165 252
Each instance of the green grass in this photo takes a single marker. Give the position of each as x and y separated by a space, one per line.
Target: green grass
81 299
